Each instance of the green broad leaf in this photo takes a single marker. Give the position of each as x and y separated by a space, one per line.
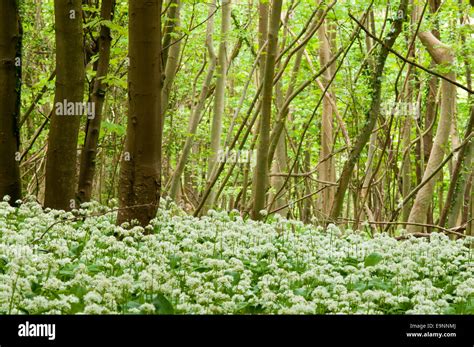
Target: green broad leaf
469 309
3 265
36 287
67 272
175 261
162 305
94 268
300 291
380 284
77 307
360 286
372 259
132 304
118 129
351 261
79 291
24 310
235 276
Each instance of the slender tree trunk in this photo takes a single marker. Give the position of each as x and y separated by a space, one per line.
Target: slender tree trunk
458 183
263 13
198 108
140 171
425 144
470 224
280 164
406 165
10 94
461 180
219 100
70 71
169 28
89 151
172 58
372 114
261 172
326 168
441 54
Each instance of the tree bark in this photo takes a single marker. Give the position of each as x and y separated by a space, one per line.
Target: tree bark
10 94
219 100
171 59
373 112
198 108
70 71
459 179
326 170
263 12
140 176
441 54
89 151
261 172
169 28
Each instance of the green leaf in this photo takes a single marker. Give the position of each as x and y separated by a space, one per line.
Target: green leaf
175 261
3 265
77 307
301 292
162 305
94 268
36 287
132 304
372 259
235 276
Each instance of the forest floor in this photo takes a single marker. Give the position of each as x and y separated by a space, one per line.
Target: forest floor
56 262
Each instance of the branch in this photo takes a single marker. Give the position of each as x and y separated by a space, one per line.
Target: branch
398 55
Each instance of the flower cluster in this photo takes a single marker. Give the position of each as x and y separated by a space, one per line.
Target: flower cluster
56 262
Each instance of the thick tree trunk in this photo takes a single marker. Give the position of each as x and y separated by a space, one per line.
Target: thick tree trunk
261 173
62 141
441 54
10 93
140 171
89 151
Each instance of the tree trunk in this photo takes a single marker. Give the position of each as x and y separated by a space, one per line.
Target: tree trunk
169 28
198 108
219 100
458 184
263 12
140 171
261 172
441 54
89 151
10 94
280 164
70 71
326 170
172 59
373 112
